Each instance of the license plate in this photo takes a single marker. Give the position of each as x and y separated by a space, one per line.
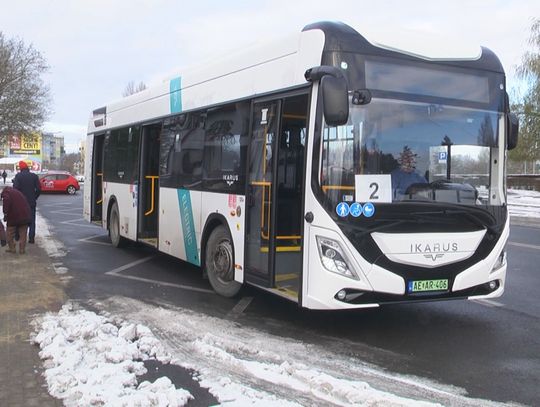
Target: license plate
427 285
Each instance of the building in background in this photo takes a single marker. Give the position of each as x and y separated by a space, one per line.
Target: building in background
78 167
53 150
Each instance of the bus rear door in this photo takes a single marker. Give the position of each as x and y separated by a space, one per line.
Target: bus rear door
148 193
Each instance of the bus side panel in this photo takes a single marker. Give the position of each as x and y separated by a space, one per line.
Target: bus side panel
126 199
180 224
232 207
87 187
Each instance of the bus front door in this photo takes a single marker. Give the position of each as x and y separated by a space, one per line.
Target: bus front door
96 184
148 185
274 198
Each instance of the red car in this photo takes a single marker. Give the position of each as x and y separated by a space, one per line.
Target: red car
59 182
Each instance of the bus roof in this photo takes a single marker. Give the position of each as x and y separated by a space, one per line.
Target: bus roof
261 69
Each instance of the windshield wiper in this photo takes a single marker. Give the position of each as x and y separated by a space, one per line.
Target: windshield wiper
472 218
388 225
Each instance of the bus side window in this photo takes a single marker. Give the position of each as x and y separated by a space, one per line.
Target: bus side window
181 150
224 148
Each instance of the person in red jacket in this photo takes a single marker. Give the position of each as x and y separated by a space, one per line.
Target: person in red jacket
17 215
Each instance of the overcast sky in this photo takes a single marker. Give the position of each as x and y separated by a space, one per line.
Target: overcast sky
94 48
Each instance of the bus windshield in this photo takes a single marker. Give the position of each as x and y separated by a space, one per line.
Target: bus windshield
395 150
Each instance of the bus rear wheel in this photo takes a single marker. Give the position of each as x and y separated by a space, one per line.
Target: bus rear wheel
219 262
114 227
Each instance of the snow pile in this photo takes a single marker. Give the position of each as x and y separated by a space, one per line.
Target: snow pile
524 203
89 360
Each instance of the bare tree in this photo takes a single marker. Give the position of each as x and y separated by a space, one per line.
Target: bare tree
24 96
131 88
527 152
68 162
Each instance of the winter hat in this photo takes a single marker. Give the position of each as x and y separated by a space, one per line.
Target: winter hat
23 165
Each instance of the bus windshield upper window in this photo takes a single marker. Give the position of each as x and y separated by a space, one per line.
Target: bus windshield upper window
427 82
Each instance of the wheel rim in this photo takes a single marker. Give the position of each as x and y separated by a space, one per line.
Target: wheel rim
222 261
71 190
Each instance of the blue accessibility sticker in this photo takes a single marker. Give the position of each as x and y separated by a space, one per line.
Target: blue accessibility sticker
369 210
356 209
342 209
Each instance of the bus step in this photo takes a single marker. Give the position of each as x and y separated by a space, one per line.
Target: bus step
150 241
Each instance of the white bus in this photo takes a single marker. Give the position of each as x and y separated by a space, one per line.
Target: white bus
326 168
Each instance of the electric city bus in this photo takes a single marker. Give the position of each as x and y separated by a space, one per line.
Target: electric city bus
326 168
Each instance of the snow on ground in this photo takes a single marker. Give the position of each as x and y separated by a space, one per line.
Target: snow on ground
94 359
45 239
523 203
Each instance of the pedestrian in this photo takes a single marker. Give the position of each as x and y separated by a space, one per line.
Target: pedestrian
4 175
17 216
28 183
3 235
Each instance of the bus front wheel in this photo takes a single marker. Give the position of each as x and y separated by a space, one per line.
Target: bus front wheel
219 262
114 227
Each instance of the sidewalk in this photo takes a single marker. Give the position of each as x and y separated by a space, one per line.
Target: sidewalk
28 286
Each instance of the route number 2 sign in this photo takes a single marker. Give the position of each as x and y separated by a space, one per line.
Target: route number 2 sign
373 188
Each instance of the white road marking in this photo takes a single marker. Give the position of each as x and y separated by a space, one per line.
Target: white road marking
528 246
488 303
240 307
88 240
116 273
78 222
130 265
58 204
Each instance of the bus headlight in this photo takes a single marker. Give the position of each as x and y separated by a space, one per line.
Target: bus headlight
334 259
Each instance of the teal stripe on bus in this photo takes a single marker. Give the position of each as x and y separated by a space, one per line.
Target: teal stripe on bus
175 86
188 227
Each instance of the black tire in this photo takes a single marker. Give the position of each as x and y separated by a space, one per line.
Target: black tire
219 263
114 227
71 190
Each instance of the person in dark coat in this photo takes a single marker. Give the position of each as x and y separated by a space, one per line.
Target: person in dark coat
28 183
17 215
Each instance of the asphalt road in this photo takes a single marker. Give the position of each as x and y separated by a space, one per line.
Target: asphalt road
489 348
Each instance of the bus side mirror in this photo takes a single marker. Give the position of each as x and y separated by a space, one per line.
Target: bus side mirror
513 130
335 95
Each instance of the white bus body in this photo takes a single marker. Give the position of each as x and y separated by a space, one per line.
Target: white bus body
231 166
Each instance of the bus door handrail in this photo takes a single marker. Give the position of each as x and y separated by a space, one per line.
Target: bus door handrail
100 201
264 184
152 195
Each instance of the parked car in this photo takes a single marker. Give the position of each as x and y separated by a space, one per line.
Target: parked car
57 181
79 178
